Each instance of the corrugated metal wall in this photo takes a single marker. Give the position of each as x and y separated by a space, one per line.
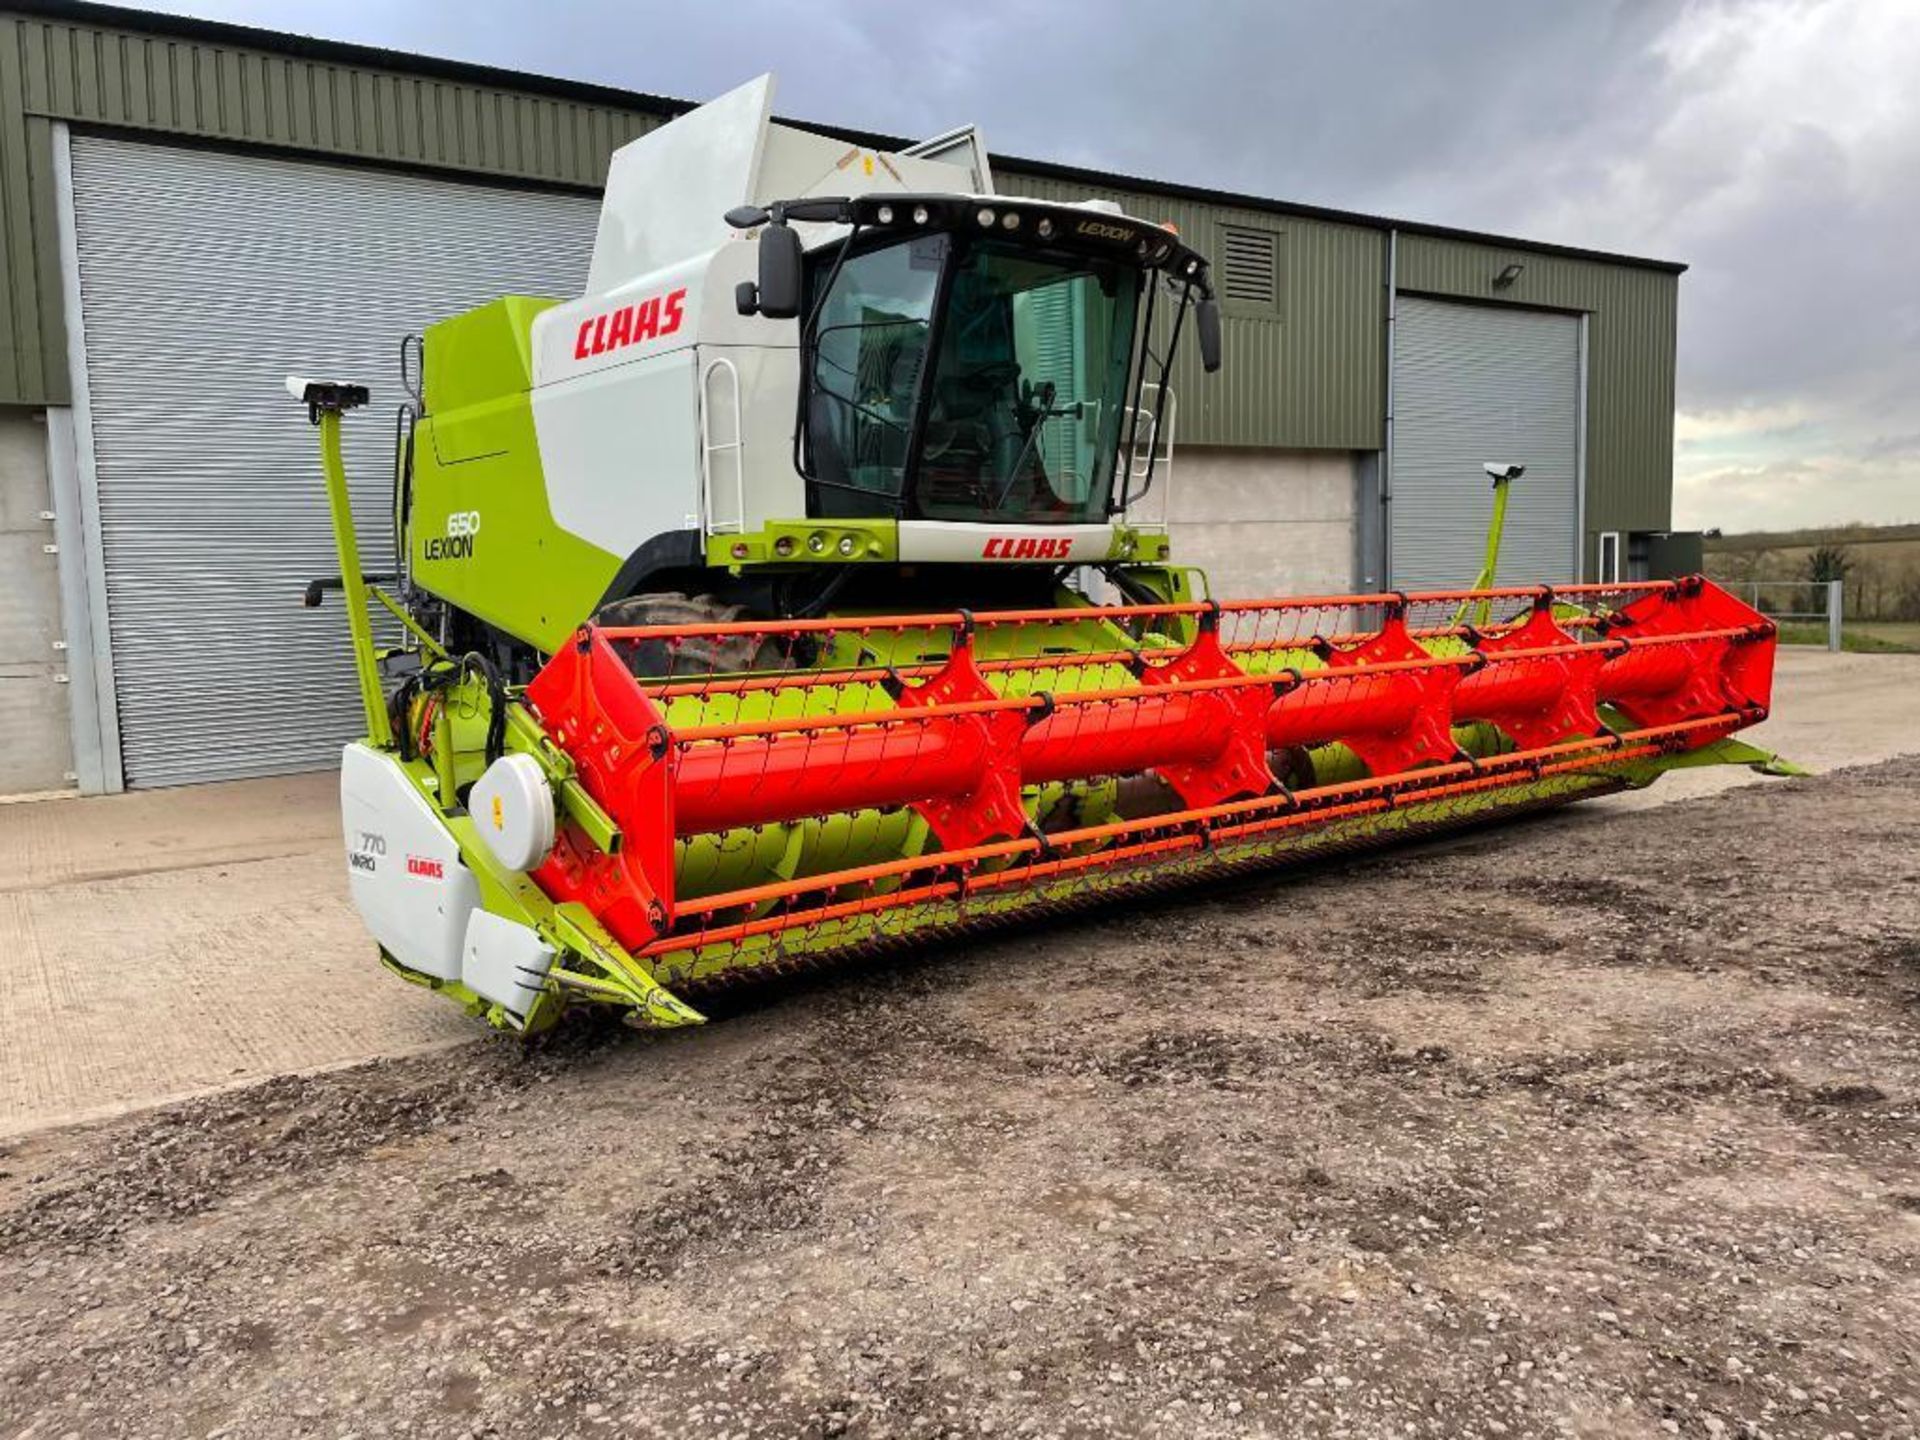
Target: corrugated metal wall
1309 375
241 269
1630 359
57 70
219 92
1479 384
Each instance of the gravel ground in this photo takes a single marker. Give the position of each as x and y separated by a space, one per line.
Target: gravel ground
1597 1125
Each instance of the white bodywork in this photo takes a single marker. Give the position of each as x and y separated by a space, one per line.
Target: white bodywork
417 898
658 407
504 961
512 808
978 543
403 866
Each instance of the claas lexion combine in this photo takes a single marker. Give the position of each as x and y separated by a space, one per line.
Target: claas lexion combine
745 610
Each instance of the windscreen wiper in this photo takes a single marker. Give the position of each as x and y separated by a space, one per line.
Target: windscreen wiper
1042 412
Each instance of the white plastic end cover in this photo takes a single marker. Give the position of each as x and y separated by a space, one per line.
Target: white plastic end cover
403 866
505 961
512 808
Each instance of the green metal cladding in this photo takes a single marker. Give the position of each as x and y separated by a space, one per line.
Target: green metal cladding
1308 372
1630 358
1312 375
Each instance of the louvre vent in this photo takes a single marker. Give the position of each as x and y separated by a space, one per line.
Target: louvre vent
1249 268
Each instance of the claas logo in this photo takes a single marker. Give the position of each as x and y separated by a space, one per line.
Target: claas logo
654 318
1028 547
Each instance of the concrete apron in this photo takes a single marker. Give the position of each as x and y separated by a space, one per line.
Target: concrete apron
172 942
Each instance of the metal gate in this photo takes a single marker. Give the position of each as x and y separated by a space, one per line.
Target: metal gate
205 279
1474 384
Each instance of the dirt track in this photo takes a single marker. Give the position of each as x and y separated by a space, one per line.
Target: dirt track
1600 1125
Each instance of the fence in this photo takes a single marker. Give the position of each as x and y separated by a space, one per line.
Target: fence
1796 606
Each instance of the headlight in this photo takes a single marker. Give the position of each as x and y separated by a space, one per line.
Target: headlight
985 217
783 546
816 542
884 214
847 546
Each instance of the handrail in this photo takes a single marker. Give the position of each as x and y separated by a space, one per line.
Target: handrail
709 447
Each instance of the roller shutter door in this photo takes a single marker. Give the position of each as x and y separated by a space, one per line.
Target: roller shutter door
205 279
1473 384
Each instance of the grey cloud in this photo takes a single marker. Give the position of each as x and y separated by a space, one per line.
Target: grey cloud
1893 447
1770 143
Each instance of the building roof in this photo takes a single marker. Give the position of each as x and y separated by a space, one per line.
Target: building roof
372 57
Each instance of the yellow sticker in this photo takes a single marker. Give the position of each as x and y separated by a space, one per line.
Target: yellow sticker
499 814
868 159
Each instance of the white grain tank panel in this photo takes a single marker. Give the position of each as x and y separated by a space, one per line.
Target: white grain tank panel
206 278
618 452
1473 384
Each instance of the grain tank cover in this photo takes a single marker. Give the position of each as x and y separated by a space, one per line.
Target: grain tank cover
668 191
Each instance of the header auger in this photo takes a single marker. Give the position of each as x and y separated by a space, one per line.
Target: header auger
769 635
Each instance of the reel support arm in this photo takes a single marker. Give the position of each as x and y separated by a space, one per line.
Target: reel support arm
326 402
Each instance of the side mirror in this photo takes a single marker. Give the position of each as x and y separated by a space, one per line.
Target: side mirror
778 295
1206 325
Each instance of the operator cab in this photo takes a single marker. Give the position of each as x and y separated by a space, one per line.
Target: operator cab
979 358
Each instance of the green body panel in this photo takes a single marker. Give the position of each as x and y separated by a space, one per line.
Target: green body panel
483 354
820 542
475 453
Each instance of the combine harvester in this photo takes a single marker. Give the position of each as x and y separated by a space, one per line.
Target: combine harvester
743 614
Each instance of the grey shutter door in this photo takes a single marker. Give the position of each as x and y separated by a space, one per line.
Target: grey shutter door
1473 384
1051 350
205 279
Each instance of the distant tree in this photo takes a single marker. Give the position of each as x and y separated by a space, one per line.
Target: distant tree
1826 564
1871 589
1906 599
1737 565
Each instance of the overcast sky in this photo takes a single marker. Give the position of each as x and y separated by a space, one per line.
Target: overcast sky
1773 145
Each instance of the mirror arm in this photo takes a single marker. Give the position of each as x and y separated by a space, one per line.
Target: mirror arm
1123 454
1130 497
808 330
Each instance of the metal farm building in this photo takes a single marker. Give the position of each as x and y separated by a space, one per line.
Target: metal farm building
190 211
